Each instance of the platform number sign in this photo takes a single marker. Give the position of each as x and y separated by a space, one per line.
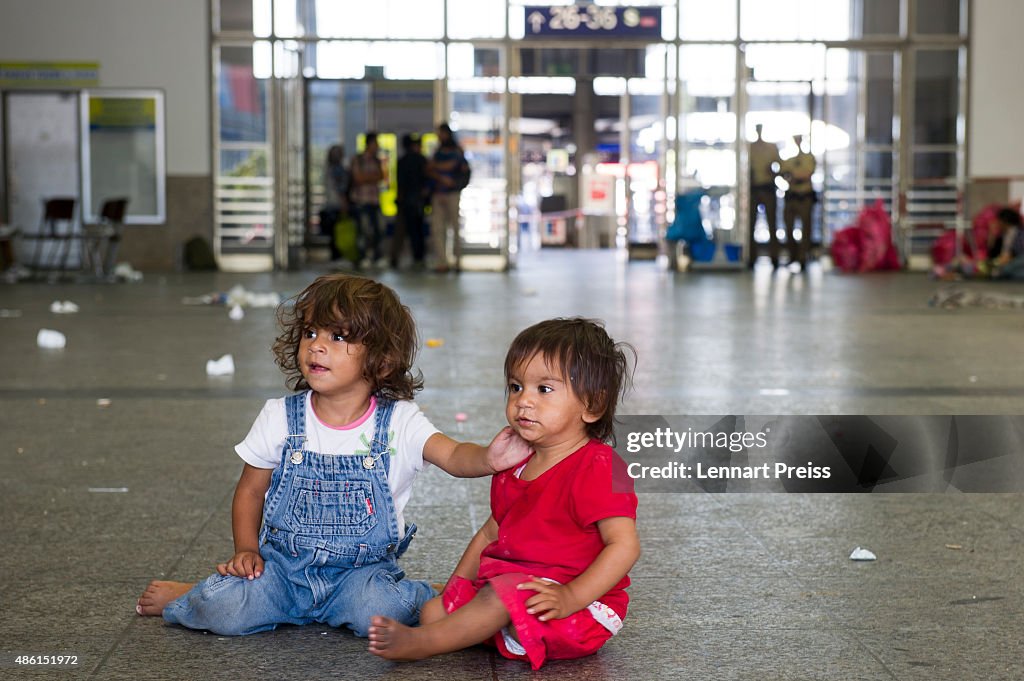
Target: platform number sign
589 21
572 17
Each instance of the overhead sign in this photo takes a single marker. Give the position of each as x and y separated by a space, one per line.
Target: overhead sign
46 74
592 21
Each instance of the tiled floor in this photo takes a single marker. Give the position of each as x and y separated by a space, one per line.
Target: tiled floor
730 586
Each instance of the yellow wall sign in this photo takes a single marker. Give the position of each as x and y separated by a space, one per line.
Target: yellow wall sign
121 112
50 75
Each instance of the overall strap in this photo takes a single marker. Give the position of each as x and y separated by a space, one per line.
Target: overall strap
380 445
380 449
294 443
295 409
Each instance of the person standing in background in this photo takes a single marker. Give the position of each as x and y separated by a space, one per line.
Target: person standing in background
444 171
764 164
800 200
412 199
336 186
368 173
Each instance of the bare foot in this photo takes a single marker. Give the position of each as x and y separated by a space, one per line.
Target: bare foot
157 595
395 641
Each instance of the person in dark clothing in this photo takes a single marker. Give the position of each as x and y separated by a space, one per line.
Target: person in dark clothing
336 185
444 203
412 199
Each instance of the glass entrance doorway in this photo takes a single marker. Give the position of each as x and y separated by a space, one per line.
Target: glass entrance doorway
592 140
340 113
474 103
708 128
785 112
862 104
783 97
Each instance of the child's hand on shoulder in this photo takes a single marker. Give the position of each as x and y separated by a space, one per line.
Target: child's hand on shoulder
244 564
552 602
507 449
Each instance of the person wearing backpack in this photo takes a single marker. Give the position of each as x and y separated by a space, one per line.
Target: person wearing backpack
449 171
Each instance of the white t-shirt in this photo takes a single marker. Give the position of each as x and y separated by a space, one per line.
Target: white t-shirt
264 446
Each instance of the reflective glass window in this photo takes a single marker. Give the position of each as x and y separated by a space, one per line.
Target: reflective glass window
235 15
934 165
386 19
796 19
242 101
399 60
707 126
938 17
702 20
881 97
476 19
936 96
876 17
786 62
468 61
287 22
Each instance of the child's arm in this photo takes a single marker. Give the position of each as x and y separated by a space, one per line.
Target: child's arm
469 564
467 460
246 518
620 552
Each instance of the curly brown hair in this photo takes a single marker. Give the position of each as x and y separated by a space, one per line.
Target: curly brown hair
364 311
599 370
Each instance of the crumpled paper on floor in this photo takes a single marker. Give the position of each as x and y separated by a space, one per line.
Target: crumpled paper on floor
225 366
50 339
63 307
862 554
126 272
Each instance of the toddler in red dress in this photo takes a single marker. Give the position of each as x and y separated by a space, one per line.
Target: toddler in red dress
545 577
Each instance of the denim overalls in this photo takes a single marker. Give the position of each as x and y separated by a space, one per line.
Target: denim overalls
329 542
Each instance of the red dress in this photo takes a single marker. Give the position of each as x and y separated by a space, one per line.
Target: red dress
547 528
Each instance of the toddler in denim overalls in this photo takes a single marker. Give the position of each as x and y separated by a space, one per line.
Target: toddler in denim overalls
318 533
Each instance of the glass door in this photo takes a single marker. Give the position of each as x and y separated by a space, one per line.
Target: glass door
862 112
243 194
591 131
933 186
645 113
707 131
477 98
783 88
337 113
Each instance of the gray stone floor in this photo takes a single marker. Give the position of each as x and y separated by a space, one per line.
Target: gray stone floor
730 586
